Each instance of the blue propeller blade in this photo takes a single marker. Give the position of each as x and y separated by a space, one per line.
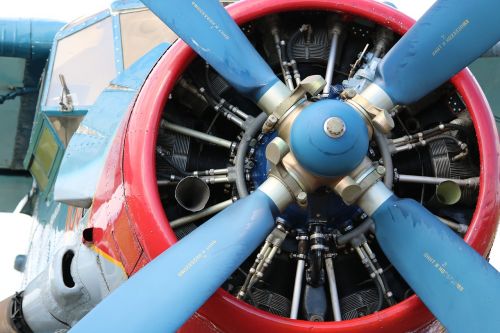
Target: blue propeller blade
211 32
451 35
458 285
167 291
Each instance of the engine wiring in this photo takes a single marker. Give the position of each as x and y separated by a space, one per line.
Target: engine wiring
326 253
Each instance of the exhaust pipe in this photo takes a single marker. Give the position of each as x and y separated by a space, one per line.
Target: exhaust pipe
192 193
447 193
70 286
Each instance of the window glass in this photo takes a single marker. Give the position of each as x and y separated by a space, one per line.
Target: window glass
86 61
142 31
43 158
81 20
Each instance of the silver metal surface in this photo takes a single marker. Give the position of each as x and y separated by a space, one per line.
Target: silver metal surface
270 101
296 73
277 192
235 119
276 150
333 289
196 134
334 127
206 179
201 214
458 227
264 258
238 112
302 198
331 62
297 289
313 84
448 193
211 172
471 182
192 193
377 96
374 197
217 179
52 303
318 247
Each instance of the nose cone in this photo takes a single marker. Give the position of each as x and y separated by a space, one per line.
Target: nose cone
329 138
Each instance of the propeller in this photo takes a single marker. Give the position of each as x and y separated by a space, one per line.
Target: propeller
448 37
458 285
211 32
167 291
455 282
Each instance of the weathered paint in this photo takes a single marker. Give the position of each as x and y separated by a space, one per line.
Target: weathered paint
452 279
448 37
128 191
218 40
27 38
149 218
55 219
209 254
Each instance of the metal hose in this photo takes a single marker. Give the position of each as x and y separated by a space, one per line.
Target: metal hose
239 161
360 230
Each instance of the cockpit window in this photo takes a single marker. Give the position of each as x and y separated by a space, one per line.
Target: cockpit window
86 61
142 31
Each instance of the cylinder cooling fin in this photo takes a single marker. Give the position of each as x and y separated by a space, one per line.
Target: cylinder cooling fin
207 125
212 134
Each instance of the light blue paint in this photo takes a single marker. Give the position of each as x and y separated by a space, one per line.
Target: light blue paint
52 215
74 28
451 35
85 156
458 285
318 152
211 32
167 291
135 75
117 41
27 38
126 5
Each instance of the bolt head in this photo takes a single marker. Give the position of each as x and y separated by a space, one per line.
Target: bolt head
334 127
302 198
349 93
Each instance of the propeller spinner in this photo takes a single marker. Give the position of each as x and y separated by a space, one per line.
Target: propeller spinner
455 282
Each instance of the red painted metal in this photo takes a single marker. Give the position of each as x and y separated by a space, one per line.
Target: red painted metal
113 232
485 220
129 184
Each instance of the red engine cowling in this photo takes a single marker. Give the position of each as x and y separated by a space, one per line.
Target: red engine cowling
133 227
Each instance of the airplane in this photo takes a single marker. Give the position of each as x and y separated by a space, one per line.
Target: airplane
281 166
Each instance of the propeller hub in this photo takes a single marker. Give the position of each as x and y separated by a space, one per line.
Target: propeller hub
329 138
334 127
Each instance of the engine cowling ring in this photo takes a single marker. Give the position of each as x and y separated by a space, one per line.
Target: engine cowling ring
146 212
